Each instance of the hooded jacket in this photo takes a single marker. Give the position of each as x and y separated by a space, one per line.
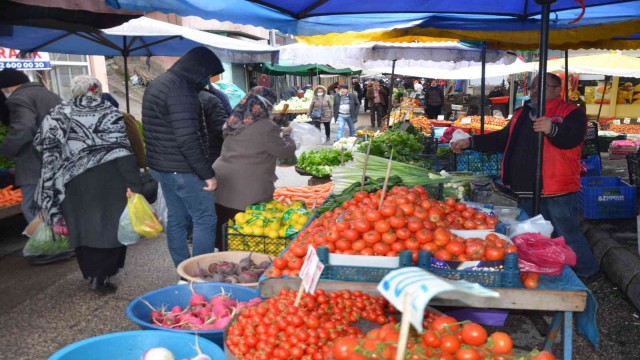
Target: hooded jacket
174 129
322 103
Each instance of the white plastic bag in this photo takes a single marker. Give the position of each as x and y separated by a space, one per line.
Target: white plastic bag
126 234
459 135
161 207
536 224
305 134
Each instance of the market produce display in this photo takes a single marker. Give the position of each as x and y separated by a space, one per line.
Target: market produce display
276 329
273 219
346 143
296 103
625 128
406 145
10 196
5 163
302 118
443 338
243 272
201 313
407 220
318 163
366 133
422 124
490 122
310 195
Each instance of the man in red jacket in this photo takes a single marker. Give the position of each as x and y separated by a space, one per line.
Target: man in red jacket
564 126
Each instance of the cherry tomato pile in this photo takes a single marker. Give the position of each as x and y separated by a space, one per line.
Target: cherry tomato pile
407 220
276 329
444 338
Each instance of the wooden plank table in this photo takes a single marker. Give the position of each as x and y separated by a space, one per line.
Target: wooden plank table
289 111
563 302
8 211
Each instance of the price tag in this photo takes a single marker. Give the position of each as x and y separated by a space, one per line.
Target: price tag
616 122
440 117
311 270
627 120
421 286
638 120
465 120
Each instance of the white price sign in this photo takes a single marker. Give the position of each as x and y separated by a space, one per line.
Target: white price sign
440 117
465 120
627 120
420 287
616 122
311 270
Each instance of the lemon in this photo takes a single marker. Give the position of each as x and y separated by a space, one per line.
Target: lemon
282 232
272 234
258 230
240 218
303 219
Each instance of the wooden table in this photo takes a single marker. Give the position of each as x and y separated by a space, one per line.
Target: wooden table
8 211
289 111
563 302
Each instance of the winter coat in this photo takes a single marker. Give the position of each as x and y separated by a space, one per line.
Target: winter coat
172 116
246 168
353 101
321 103
215 117
28 105
384 96
434 95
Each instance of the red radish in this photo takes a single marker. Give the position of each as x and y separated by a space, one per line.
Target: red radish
176 310
222 322
196 299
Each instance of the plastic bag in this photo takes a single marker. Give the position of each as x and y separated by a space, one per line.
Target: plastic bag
305 134
143 219
536 224
161 207
543 255
126 234
43 241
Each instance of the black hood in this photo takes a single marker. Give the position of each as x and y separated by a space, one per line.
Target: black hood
197 64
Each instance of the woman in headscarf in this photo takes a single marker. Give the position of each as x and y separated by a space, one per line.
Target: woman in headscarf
321 105
87 166
246 168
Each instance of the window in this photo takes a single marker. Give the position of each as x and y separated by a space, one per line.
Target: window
64 68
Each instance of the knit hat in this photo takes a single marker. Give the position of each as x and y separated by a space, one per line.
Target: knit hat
12 77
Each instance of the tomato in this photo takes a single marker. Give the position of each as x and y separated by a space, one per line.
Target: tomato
381 248
371 237
398 246
455 248
494 253
450 343
382 226
469 225
501 343
441 236
403 233
295 263
388 210
467 354
412 244
431 338
511 249
407 209
414 225
423 236
343 245
425 204
280 263
475 250
362 225
435 214
299 250
360 195
343 348
367 251
443 254
474 334
372 215
460 207
467 214
530 283
430 247
388 238
544 355
450 201
358 245
397 222
444 324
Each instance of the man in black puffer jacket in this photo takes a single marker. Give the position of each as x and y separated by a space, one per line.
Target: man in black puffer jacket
177 147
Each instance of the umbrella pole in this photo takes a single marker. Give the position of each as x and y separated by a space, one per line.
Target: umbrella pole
604 91
125 55
566 75
542 85
483 85
390 104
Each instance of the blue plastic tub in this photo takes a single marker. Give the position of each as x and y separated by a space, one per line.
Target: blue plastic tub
170 296
132 344
606 197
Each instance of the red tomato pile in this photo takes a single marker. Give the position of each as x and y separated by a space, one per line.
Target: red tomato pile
447 246
407 220
276 329
444 338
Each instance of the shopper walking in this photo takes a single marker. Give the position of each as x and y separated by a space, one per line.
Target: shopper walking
28 103
87 168
246 168
175 136
321 111
377 98
434 98
345 108
564 126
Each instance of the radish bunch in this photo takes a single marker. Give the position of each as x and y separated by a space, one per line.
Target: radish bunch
201 313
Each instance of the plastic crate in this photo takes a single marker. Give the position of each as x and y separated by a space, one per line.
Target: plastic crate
605 141
479 163
437 162
591 144
593 165
261 244
606 197
430 144
633 165
509 276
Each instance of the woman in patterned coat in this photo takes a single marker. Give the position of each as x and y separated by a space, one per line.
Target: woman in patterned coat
87 166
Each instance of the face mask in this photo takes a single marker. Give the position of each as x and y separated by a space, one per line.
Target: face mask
203 83
320 93
7 93
434 85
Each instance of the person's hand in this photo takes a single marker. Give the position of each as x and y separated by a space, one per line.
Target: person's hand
542 124
287 130
211 184
459 146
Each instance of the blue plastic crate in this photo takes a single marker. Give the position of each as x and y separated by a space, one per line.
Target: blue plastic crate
593 165
508 276
479 163
606 197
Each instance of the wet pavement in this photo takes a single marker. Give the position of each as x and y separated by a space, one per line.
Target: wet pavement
46 307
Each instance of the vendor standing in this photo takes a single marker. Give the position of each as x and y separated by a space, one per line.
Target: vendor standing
564 126
434 98
246 168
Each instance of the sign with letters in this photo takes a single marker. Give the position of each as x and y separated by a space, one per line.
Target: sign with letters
9 59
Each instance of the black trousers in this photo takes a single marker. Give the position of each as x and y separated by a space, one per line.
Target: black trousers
377 112
433 111
327 127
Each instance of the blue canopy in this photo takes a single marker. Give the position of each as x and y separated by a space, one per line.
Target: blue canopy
313 17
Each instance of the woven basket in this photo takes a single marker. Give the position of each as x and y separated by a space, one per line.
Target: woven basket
187 266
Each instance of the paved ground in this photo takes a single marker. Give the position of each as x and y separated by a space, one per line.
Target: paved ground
49 306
